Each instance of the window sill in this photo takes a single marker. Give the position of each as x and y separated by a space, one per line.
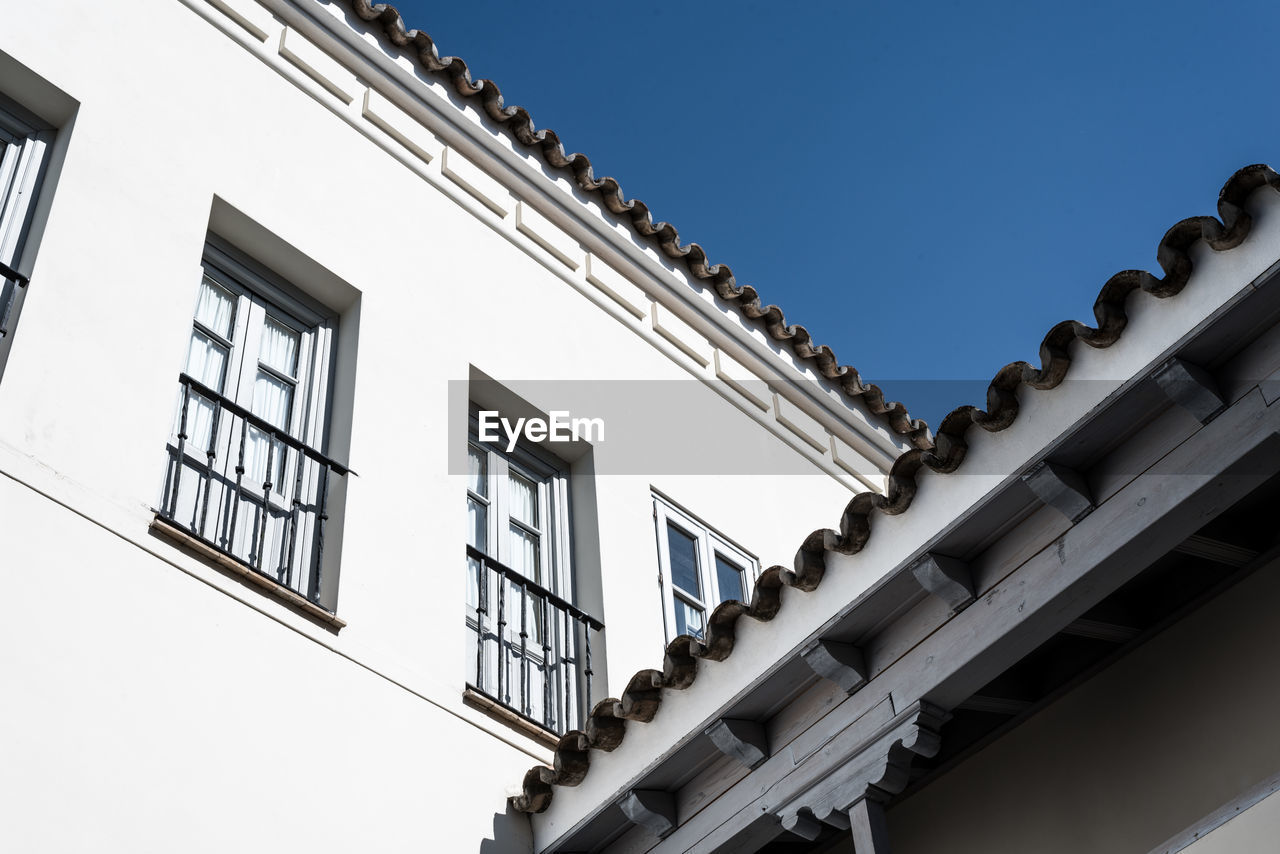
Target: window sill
502 714
266 585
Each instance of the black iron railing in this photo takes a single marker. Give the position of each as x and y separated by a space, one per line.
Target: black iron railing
245 487
532 648
11 281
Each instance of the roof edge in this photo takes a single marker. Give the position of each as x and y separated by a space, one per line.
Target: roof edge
640 701
517 121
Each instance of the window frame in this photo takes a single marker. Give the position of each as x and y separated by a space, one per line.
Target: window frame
548 647
710 544
551 476
25 145
297 486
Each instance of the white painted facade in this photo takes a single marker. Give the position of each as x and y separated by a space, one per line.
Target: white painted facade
177 706
160 700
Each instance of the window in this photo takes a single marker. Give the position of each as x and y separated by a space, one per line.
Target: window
246 476
698 569
530 647
24 145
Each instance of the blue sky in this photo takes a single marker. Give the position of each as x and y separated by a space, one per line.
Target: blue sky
926 187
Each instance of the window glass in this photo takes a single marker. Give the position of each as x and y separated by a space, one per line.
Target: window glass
279 347
525 553
684 561
688 619
272 399
477 507
524 500
477 471
216 309
728 579
207 360
477 524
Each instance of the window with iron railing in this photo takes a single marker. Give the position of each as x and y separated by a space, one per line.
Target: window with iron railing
246 474
529 645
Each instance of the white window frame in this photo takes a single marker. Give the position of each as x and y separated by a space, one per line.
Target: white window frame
710 543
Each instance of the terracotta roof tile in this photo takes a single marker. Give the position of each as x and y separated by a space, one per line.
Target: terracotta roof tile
517 122
640 701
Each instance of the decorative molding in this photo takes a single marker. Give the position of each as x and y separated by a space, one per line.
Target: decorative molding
1061 488
745 741
802 826
318 65
1191 387
946 578
801 423
562 246
318 72
876 772
841 663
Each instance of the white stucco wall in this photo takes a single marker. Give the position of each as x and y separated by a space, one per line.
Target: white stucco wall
169 705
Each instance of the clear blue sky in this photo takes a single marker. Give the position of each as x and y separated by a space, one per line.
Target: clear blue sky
927 187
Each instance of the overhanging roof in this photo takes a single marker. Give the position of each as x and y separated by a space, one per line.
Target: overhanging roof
640 701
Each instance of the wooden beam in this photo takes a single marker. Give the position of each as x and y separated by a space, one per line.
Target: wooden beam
1215 550
1214 468
1191 387
841 663
869 827
651 808
1061 488
1098 630
945 577
745 741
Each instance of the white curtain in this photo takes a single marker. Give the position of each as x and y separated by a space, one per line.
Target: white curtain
216 308
279 347
207 360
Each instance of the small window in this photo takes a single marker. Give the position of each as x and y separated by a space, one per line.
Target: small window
698 569
530 646
247 472
24 146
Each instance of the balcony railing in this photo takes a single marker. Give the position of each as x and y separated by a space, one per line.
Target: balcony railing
532 649
11 281
243 486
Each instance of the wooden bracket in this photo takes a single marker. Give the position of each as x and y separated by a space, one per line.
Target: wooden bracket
841 663
651 808
945 577
745 741
1061 488
1191 387
802 826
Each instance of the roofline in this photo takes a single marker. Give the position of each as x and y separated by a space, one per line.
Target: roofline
663 236
640 701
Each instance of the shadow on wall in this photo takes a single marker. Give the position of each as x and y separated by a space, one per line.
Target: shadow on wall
511 834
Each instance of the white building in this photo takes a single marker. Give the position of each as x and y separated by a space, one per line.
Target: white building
309 246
